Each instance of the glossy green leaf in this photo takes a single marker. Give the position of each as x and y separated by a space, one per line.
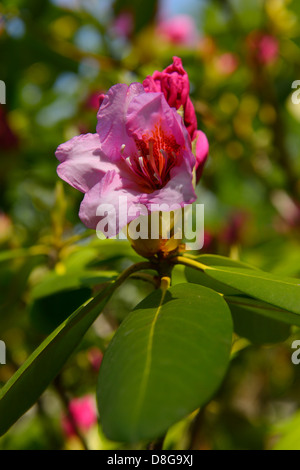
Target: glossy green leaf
167 358
252 320
218 260
53 283
280 292
37 372
262 308
198 277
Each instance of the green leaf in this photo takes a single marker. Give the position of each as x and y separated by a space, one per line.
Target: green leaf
250 319
46 313
218 260
198 277
264 309
280 292
34 376
167 358
22 253
54 283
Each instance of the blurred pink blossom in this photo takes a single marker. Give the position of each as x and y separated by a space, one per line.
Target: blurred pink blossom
95 357
6 227
208 240
179 30
264 48
233 233
83 414
227 63
123 24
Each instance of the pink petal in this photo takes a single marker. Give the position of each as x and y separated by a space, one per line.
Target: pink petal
83 163
112 117
148 110
179 190
112 189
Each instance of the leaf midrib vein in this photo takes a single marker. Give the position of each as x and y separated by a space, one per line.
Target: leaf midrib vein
146 375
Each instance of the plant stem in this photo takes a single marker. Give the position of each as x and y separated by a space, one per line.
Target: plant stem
131 270
165 283
190 263
66 402
147 278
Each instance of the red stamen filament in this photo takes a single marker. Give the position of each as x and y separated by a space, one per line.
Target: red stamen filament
155 158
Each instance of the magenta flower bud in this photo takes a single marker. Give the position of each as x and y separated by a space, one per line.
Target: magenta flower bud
173 82
201 152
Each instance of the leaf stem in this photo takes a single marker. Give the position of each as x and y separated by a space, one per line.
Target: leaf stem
165 283
190 263
131 270
147 278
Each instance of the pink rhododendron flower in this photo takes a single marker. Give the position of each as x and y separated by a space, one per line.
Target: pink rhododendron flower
264 48
268 49
173 82
83 414
123 24
142 150
227 63
180 30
